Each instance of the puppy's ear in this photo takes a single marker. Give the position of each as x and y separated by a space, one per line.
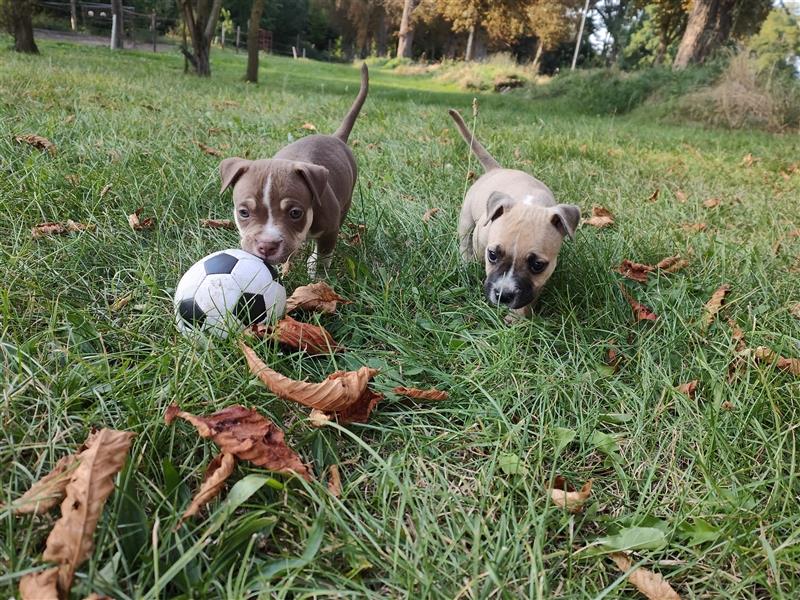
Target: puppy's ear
231 169
496 205
566 218
316 178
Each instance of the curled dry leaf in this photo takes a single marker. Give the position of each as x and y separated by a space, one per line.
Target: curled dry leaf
105 189
654 196
318 418
345 393
138 224
217 223
601 217
71 540
37 141
334 481
652 585
429 213
790 365
689 388
218 471
711 202
121 302
714 305
308 127
313 339
51 228
247 435
748 160
672 264
694 227
680 196
209 150
417 394
314 297
564 497
640 311
737 335
39 586
794 309
633 270
49 490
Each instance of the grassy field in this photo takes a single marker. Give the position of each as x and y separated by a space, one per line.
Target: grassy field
440 500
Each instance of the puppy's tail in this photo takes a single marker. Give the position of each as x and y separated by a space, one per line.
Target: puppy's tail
347 125
486 159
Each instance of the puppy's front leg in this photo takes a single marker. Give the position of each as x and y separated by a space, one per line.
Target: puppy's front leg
322 254
466 225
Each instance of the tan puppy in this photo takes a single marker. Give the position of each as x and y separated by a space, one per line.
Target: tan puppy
304 191
512 221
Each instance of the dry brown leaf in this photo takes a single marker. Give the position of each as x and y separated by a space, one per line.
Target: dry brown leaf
69 119
711 202
418 394
71 540
345 393
640 311
105 189
680 196
52 228
794 309
39 586
689 388
286 267
246 434
714 305
636 271
209 150
654 196
217 223
73 178
121 302
790 365
318 418
601 217
748 160
737 335
564 497
694 227
672 264
334 481
314 297
652 585
583 148
313 339
429 213
138 224
218 471
37 141
308 127
49 490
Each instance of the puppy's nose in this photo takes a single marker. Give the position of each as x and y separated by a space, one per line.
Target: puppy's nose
268 248
504 296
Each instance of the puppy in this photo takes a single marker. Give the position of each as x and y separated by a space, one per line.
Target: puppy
304 191
512 221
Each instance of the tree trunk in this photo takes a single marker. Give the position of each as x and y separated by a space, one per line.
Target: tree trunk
708 27
116 10
382 34
405 39
537 59
256 9
661 52
73 14
19 13
201 25
470 44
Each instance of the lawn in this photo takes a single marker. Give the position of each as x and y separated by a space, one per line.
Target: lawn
440 500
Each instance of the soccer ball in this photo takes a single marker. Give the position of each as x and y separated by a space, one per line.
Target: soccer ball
227 291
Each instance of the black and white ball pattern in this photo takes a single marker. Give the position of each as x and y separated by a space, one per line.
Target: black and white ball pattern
226 291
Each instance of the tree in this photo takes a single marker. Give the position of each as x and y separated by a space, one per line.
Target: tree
778 41
201 21
405 37
16 15
256 10
73 15
118 29
712 23
659 26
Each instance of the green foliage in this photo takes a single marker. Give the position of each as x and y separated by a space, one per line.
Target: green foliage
777 44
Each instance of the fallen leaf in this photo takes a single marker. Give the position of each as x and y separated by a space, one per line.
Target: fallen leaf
314 297
121 302
601 217
429 213
790 365
794 309
563 497
208 149
727 405
418 394
318 418
247 435
71 540
138 224
308 127
652 585
69 119
37 141
672 264
345 393
636 271
105 189
714 305
654 196
737 335
680 196
217 223
39 586
749 160
334 481
73 178
689 388
583 148
52 228
313 339
694 227
640 311
49 490
613 359
471 175
218 471
711 202
286 267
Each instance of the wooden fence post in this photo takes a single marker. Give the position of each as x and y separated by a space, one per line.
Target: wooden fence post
238 33
153 27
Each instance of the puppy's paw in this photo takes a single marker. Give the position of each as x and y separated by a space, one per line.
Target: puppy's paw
518 315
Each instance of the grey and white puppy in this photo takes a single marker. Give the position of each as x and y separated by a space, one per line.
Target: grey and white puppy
511 221
304 191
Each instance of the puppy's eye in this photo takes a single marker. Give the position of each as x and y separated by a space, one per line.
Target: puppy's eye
536 265
244 213
296 213
491 255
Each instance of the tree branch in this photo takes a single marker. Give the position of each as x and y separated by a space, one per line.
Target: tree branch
212 19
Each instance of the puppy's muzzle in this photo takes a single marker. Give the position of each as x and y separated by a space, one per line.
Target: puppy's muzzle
508 290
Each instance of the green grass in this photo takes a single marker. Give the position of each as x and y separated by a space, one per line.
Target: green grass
426 511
